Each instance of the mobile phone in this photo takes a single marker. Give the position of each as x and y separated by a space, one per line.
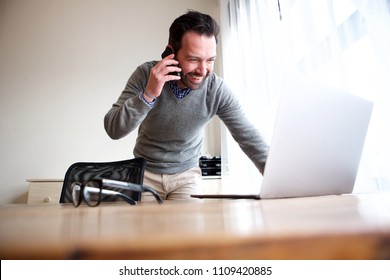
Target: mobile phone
168 50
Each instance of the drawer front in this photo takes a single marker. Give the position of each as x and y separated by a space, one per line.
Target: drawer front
44 192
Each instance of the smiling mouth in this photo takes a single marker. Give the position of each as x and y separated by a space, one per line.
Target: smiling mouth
196 78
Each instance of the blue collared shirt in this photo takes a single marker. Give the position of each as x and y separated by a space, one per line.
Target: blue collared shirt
178 92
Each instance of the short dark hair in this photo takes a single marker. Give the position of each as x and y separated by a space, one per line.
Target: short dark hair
191 21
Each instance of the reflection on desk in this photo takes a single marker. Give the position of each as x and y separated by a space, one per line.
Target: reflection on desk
327 227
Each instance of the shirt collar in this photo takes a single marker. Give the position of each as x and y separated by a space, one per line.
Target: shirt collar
178 92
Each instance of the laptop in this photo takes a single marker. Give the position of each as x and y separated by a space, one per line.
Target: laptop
317 142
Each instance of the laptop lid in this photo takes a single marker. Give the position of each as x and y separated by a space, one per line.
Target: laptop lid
317 141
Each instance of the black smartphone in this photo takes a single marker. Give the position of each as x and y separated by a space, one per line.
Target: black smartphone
168 50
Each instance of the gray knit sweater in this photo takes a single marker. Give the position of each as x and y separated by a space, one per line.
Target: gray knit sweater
170 133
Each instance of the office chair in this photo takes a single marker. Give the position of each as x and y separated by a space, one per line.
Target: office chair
131 170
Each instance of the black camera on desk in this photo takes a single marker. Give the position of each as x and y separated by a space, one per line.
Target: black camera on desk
210 166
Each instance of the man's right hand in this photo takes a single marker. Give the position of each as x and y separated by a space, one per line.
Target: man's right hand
159 75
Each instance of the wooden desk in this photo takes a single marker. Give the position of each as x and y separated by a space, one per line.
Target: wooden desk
328 227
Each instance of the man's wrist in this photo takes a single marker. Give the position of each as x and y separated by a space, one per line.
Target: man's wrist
148 97
146 101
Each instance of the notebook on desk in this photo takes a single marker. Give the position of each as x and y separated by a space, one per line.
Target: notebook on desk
317 142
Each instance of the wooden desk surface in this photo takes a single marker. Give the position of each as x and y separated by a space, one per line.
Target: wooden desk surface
328 227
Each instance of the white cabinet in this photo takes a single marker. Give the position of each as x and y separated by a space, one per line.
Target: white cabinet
44 191
211 184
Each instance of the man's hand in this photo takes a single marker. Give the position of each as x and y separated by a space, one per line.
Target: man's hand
159 75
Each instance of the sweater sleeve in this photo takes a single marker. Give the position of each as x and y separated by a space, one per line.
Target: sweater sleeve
129 111
242 130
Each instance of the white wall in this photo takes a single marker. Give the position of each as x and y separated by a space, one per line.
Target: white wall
62 65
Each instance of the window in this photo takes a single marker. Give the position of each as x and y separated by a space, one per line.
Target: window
344 43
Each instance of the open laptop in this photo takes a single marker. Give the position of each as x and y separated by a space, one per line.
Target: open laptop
317 142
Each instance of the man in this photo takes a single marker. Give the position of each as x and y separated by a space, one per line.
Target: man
172 100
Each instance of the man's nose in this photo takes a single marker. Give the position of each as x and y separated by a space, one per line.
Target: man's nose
203 68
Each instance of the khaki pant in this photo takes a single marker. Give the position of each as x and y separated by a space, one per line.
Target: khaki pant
173 186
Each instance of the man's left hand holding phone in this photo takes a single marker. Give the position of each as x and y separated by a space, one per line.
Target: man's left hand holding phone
166 70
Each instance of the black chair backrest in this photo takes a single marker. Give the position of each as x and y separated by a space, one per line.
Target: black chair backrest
131 170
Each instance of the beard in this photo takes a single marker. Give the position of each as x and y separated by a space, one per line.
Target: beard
193 80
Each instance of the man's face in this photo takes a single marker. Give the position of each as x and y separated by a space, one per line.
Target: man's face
196 58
